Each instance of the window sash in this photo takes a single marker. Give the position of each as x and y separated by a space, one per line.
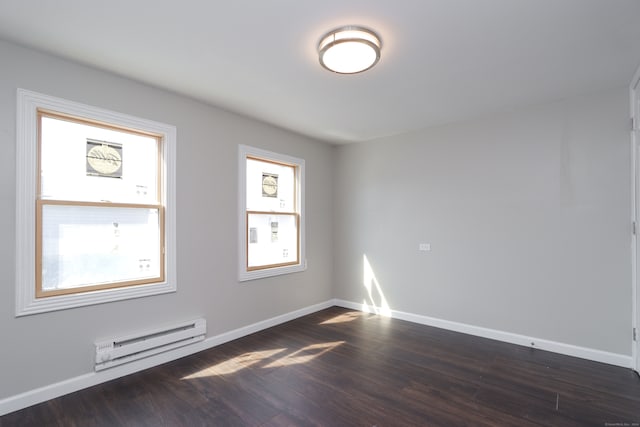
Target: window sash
275 212
248 243
153 198
40 292
41 202
292 198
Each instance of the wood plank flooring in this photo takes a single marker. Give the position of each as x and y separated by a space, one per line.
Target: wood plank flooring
343 368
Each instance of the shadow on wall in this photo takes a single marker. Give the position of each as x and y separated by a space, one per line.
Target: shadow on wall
376 303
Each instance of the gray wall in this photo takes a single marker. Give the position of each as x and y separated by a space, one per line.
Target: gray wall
527 212
45 348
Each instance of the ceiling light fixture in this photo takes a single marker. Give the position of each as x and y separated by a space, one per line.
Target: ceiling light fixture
349 50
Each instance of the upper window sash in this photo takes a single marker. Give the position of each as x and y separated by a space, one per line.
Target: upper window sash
137 178
278 192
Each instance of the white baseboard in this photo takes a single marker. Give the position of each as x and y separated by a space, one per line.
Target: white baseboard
33 397
553 346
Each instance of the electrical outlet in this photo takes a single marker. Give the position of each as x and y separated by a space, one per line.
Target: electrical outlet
424 247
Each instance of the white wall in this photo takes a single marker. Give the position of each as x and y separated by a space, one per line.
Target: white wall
527 212
43 349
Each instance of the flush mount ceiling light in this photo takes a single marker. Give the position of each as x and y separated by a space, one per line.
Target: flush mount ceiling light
349 50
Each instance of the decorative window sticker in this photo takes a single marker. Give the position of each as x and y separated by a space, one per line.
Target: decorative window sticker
104 158
269 185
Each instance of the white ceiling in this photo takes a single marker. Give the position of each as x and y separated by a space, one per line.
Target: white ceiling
442 60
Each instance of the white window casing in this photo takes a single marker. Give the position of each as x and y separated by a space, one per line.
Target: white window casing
244 272
28 104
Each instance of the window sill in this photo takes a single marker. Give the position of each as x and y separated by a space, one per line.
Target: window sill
270 272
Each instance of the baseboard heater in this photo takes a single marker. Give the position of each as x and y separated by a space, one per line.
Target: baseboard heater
132 347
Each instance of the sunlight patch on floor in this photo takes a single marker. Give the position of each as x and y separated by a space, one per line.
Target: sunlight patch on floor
305 354
342 318
237 363
231 366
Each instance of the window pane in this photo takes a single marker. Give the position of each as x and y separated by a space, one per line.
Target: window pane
272 239
270 187
85 162
87 245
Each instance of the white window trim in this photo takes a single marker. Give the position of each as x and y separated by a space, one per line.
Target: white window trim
243 274
26 164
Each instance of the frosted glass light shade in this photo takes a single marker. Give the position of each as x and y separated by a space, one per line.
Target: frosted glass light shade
349 50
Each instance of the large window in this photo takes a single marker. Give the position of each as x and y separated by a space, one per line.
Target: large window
96 216
271 212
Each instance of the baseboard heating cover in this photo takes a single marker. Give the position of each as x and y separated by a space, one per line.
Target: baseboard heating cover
116 351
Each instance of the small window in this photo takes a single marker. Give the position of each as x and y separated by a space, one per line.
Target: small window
97 200
271 208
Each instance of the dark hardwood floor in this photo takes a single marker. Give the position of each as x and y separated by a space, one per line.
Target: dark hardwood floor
343 368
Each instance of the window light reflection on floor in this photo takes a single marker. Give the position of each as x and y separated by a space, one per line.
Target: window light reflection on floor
237 363
233 365
342 318
305 354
